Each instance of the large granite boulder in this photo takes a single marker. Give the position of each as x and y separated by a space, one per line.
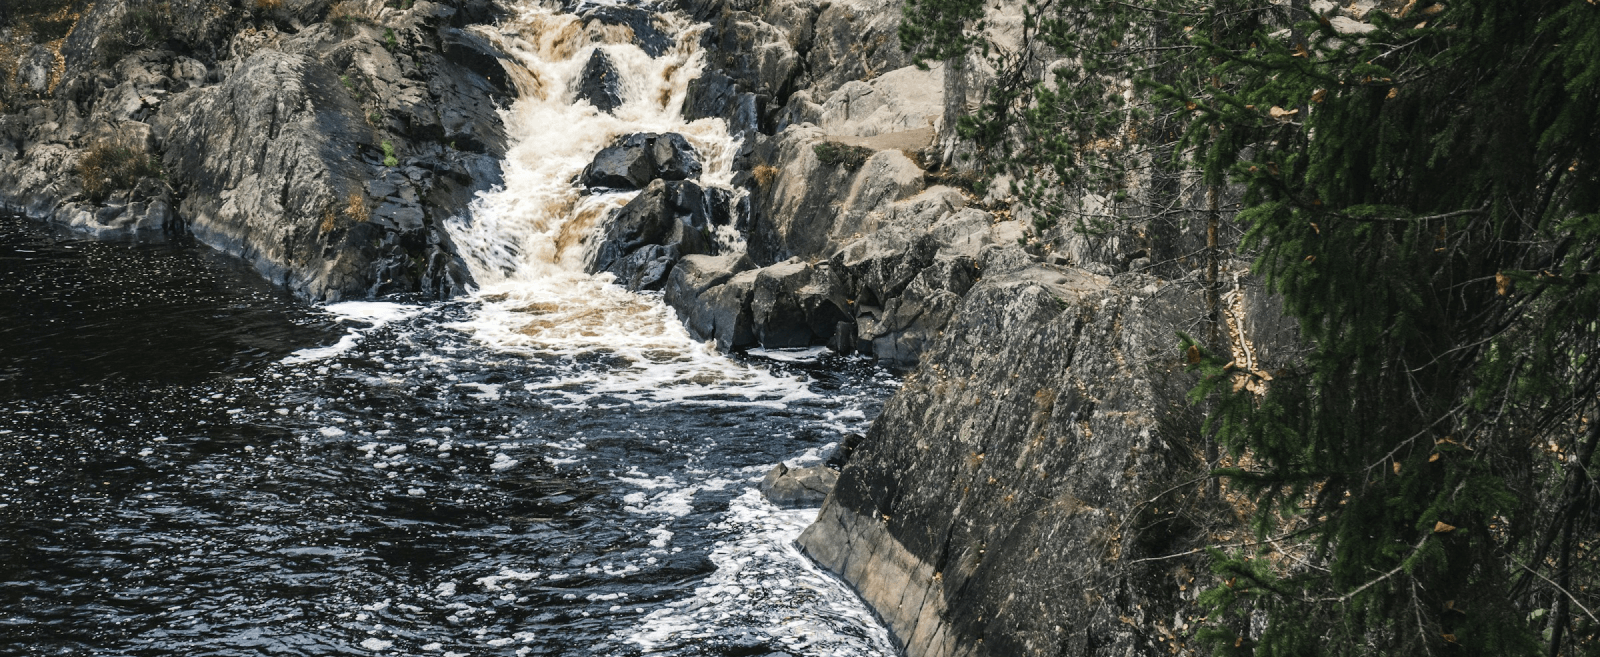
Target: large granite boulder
808 208
641 241
632 161
714 307
796 304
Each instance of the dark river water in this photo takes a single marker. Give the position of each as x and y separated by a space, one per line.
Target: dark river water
193 463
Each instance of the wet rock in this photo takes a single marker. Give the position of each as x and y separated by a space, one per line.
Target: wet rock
841 454
628 163
723 313
600 83
632 161
797 488
754 54
642 23
697 273
795 304
714 306
643 239
674 158
471 52
268 139
715 95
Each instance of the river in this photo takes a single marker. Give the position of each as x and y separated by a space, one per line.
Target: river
192 463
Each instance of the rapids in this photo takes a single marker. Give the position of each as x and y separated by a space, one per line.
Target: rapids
193 464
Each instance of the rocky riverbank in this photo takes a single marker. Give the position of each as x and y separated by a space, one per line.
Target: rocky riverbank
323 142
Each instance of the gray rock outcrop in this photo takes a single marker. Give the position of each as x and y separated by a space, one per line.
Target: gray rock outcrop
326 153
987 511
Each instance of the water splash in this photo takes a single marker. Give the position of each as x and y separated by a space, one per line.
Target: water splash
525 241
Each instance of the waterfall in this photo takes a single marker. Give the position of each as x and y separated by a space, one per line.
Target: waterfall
525 241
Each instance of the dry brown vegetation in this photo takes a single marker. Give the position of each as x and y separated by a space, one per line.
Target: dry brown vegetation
765 174
348 11
330 220
108 167
355 208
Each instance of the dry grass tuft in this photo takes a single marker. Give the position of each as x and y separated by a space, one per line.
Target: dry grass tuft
355 208
108 167
330 220
765 174
348 11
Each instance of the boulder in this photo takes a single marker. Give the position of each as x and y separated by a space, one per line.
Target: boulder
712 294
796 304
723 313
600 84
798 488
643 239
632 161
628 163
715 95
675 158
842 453
809 208
697 273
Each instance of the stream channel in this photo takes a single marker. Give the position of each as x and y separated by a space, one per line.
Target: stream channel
193 463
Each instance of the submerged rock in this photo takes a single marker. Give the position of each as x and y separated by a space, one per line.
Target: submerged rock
797 488
600 83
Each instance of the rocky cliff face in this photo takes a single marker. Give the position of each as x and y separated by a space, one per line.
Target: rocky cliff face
322 142
999 505
1036 486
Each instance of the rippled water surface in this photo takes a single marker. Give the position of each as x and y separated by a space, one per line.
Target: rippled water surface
193 464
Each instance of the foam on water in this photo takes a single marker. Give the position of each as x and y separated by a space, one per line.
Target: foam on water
373 314
763 582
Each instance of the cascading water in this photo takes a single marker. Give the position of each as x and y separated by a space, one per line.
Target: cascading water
525 241
552 467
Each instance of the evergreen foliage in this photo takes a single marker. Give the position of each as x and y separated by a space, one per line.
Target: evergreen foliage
1426 198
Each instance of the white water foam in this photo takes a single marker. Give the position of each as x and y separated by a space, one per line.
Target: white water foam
764 583
526 243
374 314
